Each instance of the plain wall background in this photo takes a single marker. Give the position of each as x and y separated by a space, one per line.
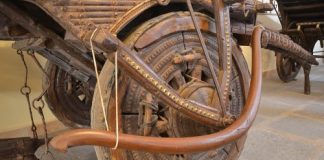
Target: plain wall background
14 112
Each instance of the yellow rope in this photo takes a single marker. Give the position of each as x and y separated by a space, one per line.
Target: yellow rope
116 100
100 90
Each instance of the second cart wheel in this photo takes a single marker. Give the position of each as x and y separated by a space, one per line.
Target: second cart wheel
287 68
68 98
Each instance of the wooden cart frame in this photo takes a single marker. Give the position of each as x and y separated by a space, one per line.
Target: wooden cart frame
303 22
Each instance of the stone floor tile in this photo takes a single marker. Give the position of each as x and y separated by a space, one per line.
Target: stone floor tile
292 96
263 145
300 126
272 108
74 153
315 110
321 157
259 120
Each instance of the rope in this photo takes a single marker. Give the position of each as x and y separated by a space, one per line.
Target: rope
98 80
116 101
116 88
100 90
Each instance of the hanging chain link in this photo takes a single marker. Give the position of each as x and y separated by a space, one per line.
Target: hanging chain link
38 103
26 90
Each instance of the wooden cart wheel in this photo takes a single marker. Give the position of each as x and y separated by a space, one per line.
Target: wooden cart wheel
143 114
287 68
68 98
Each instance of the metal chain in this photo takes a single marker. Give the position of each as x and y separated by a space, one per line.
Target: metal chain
38 103
26 90
39 98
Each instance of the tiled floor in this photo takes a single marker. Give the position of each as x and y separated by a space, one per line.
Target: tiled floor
289 125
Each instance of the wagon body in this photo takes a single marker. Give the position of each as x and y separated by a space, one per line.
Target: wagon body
303 19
